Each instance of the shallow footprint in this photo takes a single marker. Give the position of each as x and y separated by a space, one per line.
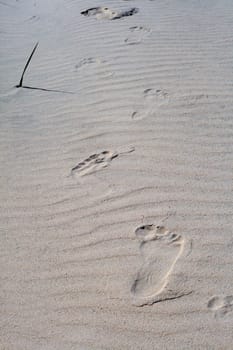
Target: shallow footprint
87 61
160 249
137 35
222 306
152 100
106 13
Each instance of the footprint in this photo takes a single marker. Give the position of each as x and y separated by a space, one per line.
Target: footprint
160 249
222 306
87 61
106 13
95 64
137 35
152 100
96 162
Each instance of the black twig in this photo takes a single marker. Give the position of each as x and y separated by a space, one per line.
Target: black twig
20 85
28 61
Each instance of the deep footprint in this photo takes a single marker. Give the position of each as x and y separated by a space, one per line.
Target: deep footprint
221 306
106 13
160 250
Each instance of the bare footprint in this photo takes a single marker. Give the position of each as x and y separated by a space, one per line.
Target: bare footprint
96 162
152 100
95 64
106 13
87 61
160 249
137 35
222 306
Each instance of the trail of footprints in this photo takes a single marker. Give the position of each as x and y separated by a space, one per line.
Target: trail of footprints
160 250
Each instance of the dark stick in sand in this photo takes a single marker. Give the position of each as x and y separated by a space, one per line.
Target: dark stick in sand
28 61
20 85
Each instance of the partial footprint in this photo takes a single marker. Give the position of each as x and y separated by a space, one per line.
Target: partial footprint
87 61
152 100
160 249
222 306
97 65
137 35
90 185
96 162
106 13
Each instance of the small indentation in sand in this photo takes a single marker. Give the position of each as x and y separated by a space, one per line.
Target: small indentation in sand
221 306
87 61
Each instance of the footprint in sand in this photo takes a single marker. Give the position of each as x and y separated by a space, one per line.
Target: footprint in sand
160 249
87 61
106 13
98 65
91 185
221 306
152 100
137 35
96 162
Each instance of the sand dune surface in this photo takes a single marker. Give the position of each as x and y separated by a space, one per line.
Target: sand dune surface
116 174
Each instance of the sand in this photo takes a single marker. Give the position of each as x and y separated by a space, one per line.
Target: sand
116 194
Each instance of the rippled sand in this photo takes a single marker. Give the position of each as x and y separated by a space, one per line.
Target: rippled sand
116 194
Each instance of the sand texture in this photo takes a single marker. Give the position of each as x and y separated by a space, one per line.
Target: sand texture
116 184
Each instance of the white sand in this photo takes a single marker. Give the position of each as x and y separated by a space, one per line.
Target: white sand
75 266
